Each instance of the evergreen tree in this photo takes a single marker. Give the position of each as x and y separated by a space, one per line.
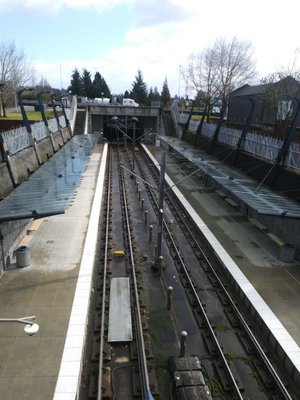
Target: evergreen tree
165 94
150 96
100 87
76 83
105 89
97 83
153 95
139 91
87 85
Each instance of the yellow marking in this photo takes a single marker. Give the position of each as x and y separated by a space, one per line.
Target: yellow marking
220 193
25 241
257 224
119 253
35 225
231 202
276 239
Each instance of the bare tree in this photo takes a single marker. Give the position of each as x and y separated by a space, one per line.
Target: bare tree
233 64
15 71
219 69
281 90
199 77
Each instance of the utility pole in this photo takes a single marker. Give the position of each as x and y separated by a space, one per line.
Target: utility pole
160 206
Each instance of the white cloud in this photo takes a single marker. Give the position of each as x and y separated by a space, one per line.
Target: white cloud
155 12
56 5
173 29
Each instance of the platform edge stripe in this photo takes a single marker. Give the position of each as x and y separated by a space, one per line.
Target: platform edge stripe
260 306
70 384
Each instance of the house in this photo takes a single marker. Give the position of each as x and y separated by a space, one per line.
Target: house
273 103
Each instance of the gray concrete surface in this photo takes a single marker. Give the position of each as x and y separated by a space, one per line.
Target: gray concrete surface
29 366
257 256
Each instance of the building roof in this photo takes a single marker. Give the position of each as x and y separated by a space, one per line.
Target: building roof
248 90
288 83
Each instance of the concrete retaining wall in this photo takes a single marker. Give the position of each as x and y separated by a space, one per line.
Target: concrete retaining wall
45 149
15 169
58 140
6 184
24 164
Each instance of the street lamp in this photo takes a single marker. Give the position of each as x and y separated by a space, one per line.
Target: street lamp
30 328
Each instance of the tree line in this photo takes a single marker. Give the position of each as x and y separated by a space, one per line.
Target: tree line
211 75
83 85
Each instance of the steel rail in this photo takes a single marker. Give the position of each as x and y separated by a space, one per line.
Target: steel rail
106 246
144 377
280 385
259 349
199 304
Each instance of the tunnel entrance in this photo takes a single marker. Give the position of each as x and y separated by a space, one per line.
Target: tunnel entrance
122 128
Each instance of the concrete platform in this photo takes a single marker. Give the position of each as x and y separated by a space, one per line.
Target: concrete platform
250 246
29 366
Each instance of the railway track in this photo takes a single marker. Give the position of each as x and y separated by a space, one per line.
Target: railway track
201 344
268 375
109 359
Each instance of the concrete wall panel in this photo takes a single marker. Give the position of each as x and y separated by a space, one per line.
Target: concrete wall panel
24 163
6 184
45 149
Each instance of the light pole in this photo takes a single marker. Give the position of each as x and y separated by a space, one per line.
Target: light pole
160 207
60 70
30 328
134 120
179 81
161 190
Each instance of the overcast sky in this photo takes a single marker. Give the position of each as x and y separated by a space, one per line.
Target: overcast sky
118 37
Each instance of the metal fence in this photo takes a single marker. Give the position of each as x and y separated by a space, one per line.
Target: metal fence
15 140
263 146
39 131
229 136
208 130
266 147
53 125
18 139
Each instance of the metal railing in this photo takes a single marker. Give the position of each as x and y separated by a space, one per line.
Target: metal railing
266 147
18 139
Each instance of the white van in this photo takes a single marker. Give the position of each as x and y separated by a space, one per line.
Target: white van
104 100
130 103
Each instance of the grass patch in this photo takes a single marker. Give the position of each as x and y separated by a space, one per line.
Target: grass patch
221 326
31 115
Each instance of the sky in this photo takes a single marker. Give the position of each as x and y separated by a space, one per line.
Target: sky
119 37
